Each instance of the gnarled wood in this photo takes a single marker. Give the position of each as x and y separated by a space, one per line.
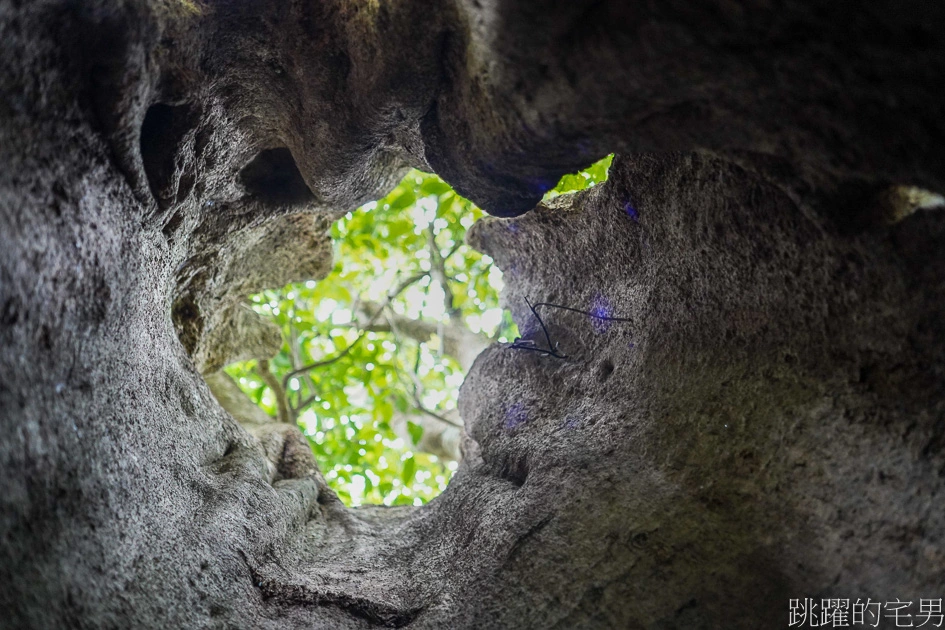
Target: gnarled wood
770 425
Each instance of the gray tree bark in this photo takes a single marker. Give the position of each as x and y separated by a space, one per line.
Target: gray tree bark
769 424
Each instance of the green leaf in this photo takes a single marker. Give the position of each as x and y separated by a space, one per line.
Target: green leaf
415 431
401 404
409 471
399 228
348 424
434 186
590 176
384 410
406 198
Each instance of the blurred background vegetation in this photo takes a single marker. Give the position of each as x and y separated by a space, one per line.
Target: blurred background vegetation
373 355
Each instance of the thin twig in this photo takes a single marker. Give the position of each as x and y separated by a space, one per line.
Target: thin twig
416 381
416 398
524 344
437 416
552 350
528 344
438 271
390 296
305 403
577 310
453 250
543 327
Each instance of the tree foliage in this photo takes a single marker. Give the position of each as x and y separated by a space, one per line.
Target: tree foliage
372 354
592 175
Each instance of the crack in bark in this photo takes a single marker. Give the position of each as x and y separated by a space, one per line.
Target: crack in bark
519 543
374 612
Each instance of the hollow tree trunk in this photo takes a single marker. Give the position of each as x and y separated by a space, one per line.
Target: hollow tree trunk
768 424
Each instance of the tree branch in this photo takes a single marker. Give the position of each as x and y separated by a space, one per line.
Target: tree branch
416 329
415 392
453 250
390 296
436 416
305 403
278 390
438 273
459 342
228 393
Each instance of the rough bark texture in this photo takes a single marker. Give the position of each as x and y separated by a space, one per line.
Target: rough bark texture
769 424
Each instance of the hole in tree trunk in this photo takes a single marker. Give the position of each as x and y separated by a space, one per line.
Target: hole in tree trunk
274 178
374 352
164 133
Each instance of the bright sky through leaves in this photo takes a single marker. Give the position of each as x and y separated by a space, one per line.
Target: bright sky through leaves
367 412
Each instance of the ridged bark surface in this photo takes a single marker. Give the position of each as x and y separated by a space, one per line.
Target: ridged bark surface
769 424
